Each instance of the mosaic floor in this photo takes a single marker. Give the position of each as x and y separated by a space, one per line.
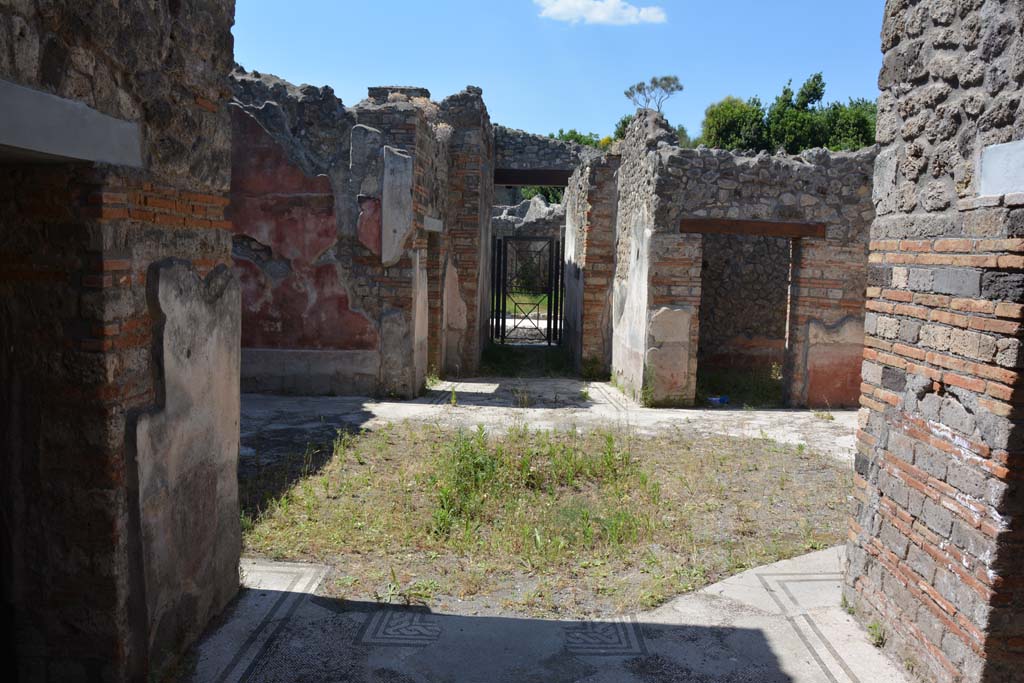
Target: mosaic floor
780 623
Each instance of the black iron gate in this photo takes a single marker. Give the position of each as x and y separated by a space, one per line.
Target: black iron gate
526 290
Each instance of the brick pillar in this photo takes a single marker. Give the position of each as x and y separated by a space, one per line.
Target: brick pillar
470 197
935 552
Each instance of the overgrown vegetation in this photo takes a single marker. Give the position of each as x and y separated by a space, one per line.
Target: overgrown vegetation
541 522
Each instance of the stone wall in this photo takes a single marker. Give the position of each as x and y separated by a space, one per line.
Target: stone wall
935 552
521 151
102 269
591 203
822 198
826 300
347 249
530 218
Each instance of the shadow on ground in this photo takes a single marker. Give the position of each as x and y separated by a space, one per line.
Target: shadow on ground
304 638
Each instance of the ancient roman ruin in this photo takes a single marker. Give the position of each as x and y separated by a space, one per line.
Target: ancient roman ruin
177 230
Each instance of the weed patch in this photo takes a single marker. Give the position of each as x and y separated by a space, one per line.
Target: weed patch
545 523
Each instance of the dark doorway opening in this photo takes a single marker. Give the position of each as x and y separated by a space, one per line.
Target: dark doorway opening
744 315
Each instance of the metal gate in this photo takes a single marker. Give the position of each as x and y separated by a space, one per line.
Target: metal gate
526 290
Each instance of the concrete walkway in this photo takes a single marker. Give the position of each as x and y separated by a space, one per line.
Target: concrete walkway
779 623
272 425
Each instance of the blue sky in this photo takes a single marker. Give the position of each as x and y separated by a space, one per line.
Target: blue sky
550 64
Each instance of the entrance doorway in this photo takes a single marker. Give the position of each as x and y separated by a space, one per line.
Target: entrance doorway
526 291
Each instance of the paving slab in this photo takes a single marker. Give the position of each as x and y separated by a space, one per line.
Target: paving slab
778 623
275 425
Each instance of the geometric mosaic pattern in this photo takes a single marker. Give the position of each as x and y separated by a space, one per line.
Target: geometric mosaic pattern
620 637
400 628
828 659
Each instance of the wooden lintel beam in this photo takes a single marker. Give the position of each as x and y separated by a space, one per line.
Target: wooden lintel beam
729 226
533 176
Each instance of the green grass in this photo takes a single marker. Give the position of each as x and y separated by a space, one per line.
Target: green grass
521 303
416 513
753 388
877 635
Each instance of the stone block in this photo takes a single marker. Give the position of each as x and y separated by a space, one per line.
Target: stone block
937 518
1002 286
959 282
670 325
396 205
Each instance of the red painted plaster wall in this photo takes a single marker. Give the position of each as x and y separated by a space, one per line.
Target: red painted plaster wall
293 297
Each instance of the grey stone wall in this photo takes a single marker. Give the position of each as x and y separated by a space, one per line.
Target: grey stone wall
530 218
744 300
829 273
519 150
935 553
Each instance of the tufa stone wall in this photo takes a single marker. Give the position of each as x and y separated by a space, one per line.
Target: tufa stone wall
88 324
530 218
658 266
591 203
826 296
521 151
936 551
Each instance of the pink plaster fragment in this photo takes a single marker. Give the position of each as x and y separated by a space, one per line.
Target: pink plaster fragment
369 226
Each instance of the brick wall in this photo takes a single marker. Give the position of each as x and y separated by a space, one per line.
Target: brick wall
471 196
82 339
935 550
591 201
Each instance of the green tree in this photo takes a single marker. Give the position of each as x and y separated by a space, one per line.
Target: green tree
573 135
795 121
622 125
851 126
551 194
683 136
655 92
735 124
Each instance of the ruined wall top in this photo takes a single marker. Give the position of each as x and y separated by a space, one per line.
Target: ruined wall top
703 182
519 150
532 217
382 93
309 121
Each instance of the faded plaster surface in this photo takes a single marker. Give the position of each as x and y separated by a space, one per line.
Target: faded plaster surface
396 205
186 452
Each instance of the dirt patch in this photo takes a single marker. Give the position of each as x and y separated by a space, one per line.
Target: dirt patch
540 523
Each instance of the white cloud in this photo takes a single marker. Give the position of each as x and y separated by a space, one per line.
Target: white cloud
613 12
